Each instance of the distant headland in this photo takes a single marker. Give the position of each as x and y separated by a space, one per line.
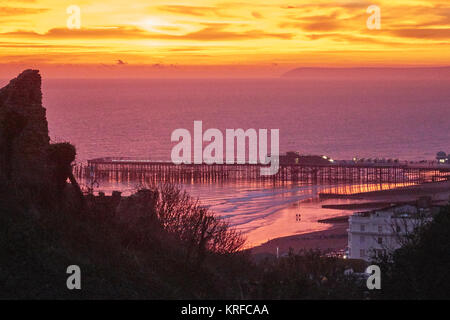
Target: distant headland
370 73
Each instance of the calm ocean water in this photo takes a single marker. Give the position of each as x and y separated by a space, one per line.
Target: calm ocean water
343 119
409 120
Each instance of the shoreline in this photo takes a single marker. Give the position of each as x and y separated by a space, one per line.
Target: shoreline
410 192
335 238
332 239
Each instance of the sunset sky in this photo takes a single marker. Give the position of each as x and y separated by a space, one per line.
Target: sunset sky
136 36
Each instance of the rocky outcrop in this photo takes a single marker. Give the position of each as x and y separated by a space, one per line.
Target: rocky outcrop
24 136
27 159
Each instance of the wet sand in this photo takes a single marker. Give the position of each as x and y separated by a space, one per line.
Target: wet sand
335 237
332 239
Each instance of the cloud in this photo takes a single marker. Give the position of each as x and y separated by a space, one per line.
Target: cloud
186 49
211 32
44 45
22 1
198 11
432 34
84 33
315 26
332 20
257 15
188 10
12 11
357 4
355 39
217 33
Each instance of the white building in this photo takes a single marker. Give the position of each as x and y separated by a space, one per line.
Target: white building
379 231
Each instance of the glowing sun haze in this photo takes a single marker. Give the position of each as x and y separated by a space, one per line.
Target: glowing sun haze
191 37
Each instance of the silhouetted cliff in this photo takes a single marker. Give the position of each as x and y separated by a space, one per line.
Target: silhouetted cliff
27 158
24 139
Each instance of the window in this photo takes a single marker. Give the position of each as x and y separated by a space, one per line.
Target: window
363 227
380 252
398 229
380 229
380 240
362 253
362 239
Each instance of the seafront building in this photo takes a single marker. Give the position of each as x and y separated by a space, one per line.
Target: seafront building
442 157
376 232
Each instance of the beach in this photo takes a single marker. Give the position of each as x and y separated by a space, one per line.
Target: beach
335 238
332 239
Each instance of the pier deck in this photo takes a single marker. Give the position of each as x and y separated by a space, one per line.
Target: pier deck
340 172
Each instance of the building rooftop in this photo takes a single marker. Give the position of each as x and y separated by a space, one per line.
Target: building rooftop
423 206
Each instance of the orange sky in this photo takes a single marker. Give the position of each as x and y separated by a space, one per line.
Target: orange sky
207 36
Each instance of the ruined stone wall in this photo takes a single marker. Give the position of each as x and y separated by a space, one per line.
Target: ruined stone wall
26 156
24 139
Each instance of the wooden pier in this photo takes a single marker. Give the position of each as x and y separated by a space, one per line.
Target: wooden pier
120 169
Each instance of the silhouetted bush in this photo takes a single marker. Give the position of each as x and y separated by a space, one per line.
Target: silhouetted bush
195 225
420 268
